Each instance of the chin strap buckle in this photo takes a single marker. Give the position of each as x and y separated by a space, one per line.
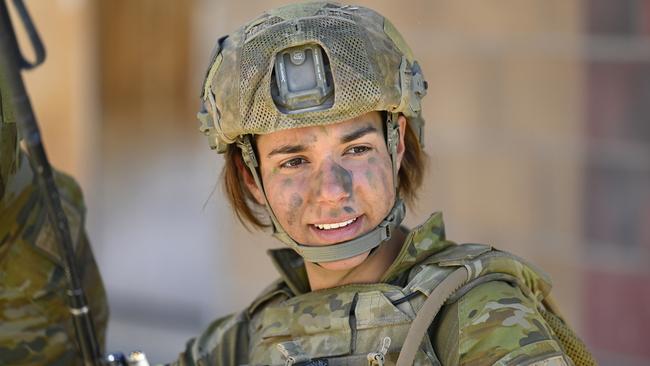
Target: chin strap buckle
296 356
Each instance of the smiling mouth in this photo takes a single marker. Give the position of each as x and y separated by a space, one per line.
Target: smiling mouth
335 225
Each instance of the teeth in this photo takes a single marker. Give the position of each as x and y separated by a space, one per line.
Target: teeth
335 225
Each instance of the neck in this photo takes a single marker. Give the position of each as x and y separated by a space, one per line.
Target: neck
368 271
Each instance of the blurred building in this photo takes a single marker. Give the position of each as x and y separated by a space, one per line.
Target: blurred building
537 129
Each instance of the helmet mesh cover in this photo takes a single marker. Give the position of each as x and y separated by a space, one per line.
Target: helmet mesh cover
369 69
356 86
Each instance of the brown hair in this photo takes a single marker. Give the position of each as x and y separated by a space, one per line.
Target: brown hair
249 212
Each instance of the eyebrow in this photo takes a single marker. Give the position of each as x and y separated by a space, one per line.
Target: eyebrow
298 148
358 133
287 149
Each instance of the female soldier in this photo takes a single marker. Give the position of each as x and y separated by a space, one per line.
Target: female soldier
317 109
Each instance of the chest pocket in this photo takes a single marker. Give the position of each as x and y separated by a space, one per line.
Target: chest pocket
360 326
318 321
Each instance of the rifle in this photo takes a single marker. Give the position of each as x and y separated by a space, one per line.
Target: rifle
11 64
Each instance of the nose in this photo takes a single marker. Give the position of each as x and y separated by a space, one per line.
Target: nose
333 183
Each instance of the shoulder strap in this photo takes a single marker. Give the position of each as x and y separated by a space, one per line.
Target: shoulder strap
447 275
450 274
426 314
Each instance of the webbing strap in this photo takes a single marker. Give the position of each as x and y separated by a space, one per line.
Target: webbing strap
358 245
350 248
427 313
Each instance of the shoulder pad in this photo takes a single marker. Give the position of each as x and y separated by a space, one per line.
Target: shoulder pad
458 254
426 276
483 264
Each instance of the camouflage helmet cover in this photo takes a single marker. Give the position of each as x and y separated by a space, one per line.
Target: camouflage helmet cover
372 69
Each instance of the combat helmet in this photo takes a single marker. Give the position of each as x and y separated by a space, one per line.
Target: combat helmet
310 64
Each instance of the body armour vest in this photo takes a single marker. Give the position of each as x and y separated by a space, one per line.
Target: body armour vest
367 324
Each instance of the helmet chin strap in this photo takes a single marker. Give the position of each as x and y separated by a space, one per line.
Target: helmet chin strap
347 249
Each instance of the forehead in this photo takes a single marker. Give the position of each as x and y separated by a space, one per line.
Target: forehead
334 130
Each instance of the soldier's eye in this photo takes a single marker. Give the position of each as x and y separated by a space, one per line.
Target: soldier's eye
294 163
358 150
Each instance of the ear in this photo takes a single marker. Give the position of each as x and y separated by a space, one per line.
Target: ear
249 181
401 147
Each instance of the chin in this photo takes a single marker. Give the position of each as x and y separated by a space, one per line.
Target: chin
345 264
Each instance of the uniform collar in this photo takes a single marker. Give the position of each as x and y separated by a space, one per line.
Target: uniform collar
423 241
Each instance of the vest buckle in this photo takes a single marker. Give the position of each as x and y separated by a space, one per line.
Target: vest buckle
378 358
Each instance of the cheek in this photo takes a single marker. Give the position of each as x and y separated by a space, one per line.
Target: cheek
295 205
286 196
375 174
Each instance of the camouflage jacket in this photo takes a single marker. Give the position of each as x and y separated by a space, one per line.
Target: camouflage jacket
35 323
493 320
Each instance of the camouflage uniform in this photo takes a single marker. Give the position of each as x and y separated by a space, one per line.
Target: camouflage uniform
35 324
495 319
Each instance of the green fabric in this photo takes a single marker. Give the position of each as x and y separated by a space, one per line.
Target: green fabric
35 323
8 154
304 10
496 319
446 340
6 109
8 138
